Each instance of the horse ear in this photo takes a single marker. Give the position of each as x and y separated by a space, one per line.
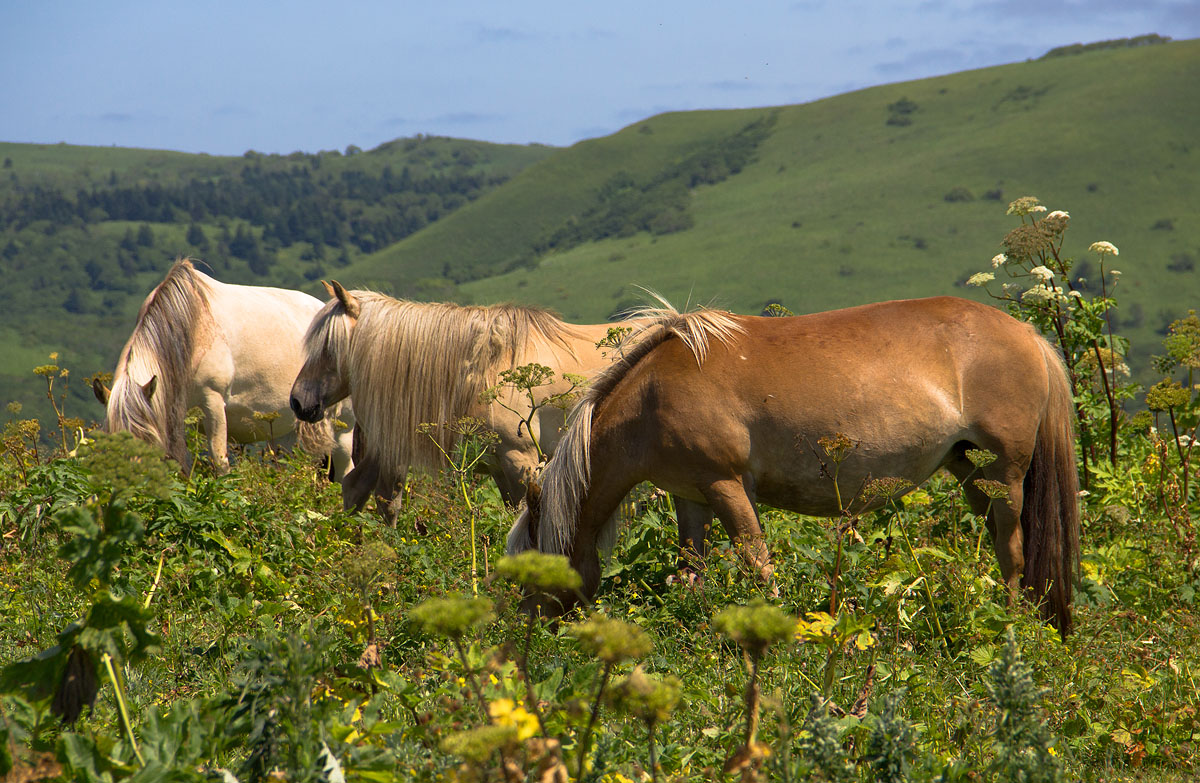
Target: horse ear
149 387
101 391
329 289
353 309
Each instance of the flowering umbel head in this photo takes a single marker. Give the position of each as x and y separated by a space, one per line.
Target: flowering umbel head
650 699
1104 249
612 641
538 571
1024 205
453 617
755 626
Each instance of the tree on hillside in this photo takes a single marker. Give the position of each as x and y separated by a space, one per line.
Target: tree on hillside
197 238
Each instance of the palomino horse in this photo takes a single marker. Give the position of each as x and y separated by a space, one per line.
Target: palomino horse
913 384
408 364
232 350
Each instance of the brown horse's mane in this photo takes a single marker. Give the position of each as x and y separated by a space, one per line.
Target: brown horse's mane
162 346
418 365
568 474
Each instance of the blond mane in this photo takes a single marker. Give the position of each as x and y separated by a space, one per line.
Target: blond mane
414 365
161 347
567 476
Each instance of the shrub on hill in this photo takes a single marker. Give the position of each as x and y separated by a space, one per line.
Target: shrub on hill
658 203
1114 43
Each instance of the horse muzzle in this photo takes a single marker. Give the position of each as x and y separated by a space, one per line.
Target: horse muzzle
310 414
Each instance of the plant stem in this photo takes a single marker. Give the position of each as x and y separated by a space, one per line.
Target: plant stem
157 577
587 732
523 665
122 707
752 698
925 586
653 756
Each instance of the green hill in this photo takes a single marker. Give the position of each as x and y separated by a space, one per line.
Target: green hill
86 232
893 191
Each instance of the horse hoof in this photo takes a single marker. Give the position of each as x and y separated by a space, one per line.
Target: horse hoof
688 579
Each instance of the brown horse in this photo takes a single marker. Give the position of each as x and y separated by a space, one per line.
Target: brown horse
913 384
410 364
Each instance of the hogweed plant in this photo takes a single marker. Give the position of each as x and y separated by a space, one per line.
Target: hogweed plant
754 627
58 401
1064 298
365 570
649 699
116 627
525 381
1024 746
1179 401
473 443
538 574
613 642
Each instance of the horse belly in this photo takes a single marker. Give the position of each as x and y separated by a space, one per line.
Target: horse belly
792 469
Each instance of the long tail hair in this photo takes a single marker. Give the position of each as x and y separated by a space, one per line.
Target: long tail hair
161 347
566 477
1050 511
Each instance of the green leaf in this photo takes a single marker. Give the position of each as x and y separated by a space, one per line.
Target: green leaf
80 755
102 535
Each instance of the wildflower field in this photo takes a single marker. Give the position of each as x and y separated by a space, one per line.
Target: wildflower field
155 627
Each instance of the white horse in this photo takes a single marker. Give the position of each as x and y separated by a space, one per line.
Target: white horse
231 350
406 364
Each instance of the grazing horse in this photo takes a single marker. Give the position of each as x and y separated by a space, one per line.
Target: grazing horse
232 350
410 366
725 411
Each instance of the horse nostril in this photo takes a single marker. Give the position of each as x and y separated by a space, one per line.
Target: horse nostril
295 407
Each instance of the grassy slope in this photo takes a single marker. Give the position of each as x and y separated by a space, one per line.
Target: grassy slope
498 228
1106 135
31 322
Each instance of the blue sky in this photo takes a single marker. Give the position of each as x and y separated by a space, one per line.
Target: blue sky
225 77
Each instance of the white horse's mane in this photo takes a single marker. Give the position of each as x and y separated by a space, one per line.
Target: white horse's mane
415 363
161 347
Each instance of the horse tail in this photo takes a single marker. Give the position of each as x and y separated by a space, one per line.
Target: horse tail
160 349
1050 511
315 438
550 524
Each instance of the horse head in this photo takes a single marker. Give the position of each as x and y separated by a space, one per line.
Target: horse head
322 381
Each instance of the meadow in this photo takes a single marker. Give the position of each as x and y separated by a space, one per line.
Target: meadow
244 628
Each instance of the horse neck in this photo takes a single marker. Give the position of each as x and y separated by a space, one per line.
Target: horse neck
412 364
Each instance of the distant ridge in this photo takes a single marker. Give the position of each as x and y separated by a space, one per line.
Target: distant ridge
889 192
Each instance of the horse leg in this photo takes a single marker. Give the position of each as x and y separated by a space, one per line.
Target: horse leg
218 435
1003 515
694 521
730 500
388 501
358 484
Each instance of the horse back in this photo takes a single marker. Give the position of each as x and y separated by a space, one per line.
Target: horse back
904 380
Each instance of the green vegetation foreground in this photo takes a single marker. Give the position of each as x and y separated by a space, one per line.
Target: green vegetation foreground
242 627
